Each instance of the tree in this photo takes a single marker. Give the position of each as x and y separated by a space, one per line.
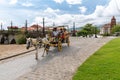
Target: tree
88 29
82 33
95 31
116 30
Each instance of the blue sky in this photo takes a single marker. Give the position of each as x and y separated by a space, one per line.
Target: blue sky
61 12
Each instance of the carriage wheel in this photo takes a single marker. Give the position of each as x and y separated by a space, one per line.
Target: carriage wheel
59 46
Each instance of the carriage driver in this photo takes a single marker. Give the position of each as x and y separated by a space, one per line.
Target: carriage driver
55 35
55 32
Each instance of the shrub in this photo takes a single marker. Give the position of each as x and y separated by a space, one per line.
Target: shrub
20 39
106 34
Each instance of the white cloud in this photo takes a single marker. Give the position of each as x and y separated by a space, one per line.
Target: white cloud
73 2
98 11
112 9
83 9
58 1
63 19
27 4
13 1
101 15
1 1
51 13
2 22
50 10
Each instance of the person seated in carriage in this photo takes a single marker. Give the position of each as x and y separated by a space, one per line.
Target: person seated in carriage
55 34
62 36
66 35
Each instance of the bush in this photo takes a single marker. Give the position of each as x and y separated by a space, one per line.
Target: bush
20 39
106 34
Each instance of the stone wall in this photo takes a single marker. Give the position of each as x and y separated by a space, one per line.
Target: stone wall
7 39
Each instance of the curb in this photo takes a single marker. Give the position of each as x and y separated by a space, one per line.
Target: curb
16 55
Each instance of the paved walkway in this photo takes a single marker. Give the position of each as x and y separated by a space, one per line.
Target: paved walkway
12 49
62 65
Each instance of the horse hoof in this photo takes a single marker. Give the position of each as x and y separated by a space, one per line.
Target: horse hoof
42 55
36 58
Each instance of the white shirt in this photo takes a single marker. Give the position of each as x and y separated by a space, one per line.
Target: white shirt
55 33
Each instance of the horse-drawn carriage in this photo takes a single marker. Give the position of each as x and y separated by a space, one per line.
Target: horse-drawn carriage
54 38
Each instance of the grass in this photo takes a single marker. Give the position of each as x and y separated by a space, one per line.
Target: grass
104 64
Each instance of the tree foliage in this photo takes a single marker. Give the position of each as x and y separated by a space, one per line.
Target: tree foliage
20 39
116 28
88 29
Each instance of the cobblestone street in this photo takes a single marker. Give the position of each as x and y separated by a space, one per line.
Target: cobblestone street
58 65
62 65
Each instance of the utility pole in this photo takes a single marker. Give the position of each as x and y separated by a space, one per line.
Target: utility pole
74 29
43 27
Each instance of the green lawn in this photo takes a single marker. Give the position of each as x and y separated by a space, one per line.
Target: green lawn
103 65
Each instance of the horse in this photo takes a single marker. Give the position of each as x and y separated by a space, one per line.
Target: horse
46 43
36 42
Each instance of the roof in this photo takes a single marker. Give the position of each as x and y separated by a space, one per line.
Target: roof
107 25
12 27
36 26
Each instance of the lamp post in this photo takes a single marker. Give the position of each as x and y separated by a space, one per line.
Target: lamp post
37 27
26 24
1 27
95 32
74 29
43 27
11 26
53 24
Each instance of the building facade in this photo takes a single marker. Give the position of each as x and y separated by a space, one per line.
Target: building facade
107 28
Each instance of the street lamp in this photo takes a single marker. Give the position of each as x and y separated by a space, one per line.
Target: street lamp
53 24
74 29
43 27
11 26
95 32
1 27
26 24
37 27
